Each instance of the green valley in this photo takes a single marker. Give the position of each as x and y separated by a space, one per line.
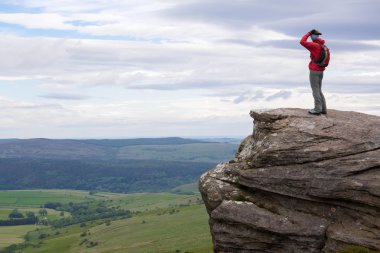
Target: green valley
106 196
160 222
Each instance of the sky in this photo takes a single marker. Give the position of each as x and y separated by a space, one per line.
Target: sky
155 68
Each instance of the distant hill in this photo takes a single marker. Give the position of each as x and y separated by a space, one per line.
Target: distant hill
125 165
7 140
142 141
47 148
91 148
111 176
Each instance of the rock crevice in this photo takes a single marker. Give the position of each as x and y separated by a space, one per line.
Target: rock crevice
299 183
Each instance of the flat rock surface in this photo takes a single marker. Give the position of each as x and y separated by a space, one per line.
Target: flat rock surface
299 183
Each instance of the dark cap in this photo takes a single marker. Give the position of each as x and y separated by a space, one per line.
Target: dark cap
315 31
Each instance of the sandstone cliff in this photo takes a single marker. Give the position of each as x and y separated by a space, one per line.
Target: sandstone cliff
299 183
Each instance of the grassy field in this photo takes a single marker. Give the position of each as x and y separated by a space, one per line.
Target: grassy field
186 230
154 201
13 234
25 200
31 200
167 222
35 198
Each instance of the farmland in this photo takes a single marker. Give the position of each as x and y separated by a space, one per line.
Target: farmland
162 222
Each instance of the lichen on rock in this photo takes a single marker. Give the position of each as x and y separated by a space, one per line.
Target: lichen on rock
299 183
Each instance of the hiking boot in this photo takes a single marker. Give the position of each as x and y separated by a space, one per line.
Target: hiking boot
324 111
314 112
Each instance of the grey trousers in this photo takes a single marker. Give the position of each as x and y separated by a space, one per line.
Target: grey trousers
316 86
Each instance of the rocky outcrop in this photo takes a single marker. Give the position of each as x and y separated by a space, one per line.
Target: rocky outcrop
299 183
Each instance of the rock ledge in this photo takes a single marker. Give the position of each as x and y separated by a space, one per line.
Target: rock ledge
299 184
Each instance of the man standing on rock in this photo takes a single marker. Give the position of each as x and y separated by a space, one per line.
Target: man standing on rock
320 57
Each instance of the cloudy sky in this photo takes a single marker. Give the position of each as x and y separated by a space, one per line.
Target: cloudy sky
136 68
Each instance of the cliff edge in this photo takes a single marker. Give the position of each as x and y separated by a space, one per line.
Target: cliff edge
299 184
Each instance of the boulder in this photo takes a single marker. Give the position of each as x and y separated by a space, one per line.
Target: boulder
299 184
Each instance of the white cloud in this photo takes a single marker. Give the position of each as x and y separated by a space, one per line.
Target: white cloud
176 66
82 62
36 21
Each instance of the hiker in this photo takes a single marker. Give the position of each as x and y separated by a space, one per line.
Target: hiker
320 57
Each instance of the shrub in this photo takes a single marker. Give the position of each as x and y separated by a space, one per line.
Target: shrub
52 205
43 212
83 241
91 244
30 215
15 214
42 236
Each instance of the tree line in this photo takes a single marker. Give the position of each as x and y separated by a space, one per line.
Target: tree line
85 211
17 218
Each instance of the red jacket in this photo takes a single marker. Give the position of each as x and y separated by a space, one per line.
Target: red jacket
315 51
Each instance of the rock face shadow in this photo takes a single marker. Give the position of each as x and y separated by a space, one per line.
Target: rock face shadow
300 183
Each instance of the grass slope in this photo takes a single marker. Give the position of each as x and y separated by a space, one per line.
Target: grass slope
167 222
186 230
153 201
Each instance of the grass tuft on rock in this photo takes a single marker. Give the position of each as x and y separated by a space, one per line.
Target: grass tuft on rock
354 249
